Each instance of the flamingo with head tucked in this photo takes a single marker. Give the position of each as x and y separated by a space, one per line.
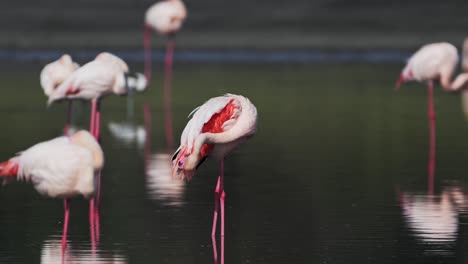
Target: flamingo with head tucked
436 61
54 74
166 18
64 167
215 129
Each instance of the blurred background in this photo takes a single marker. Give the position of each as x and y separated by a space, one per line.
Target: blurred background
241 24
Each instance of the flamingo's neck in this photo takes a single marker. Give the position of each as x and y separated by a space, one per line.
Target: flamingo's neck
459 82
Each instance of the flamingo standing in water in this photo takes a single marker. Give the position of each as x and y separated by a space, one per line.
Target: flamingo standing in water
435 61
63 167
54 74
166 18
106 74
216 128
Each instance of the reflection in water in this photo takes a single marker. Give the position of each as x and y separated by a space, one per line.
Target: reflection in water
51 253
433 219
128 133
159 181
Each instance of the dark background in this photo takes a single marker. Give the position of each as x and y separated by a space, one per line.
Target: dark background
265 24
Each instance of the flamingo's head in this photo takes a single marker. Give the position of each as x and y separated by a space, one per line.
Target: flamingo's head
406 75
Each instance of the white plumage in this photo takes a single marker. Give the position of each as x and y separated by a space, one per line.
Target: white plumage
54 73
166 17
62 167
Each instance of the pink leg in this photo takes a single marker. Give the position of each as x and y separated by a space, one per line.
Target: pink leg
223 197
66 203
67 125
432 138
215 249
97 119
167 89
215 215
92 117
92 227
222 249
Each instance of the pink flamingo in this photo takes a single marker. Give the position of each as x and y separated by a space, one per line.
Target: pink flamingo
54 74
216 128
435 61
166 18
106 74
63 167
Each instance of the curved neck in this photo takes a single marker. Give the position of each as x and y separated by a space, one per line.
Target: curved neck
459 82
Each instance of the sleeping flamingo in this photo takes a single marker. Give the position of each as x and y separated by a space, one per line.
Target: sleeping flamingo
64 167
435 61
106 74
216 128
54 74
166 18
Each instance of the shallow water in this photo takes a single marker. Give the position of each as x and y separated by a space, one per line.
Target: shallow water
337 172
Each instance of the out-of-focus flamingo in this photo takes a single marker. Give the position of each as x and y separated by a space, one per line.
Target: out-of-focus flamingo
106 74
63 167
54 74
216 128
435 61
166 18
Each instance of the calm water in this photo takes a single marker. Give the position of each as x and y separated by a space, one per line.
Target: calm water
337 173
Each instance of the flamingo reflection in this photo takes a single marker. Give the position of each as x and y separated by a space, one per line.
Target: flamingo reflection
433 219
128 133
160 184
51 254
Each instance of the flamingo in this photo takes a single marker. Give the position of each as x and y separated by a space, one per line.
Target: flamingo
216 128
64 167
53 74
431 62
166 18
106 74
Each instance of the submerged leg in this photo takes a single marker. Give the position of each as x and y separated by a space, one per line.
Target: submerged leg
167 89
92 228
222 199
215 216
66 203
432 138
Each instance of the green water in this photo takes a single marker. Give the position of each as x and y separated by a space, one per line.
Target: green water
319 183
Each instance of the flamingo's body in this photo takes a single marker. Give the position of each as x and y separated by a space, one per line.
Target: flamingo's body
166 17
63 167
216 128
103 76
56 72
436 61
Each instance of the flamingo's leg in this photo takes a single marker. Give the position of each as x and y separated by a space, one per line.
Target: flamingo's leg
215 215
432 137
66 203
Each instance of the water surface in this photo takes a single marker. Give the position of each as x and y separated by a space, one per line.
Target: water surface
337 172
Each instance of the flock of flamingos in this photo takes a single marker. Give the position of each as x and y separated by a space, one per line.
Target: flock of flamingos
70 165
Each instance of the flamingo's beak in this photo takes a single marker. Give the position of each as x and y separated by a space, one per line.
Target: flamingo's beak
399 82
